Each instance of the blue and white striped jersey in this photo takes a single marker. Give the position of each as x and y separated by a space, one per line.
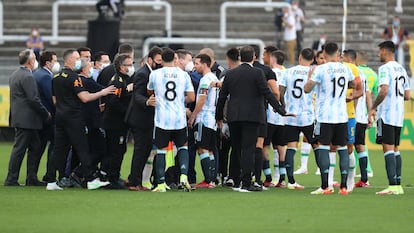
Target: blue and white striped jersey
207 115
170 85
273 117
391 110
331 84
296 100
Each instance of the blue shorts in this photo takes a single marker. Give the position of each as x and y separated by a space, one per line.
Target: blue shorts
351 130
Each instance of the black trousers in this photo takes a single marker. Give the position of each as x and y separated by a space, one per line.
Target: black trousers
71 132
116 140
243 139
224 150
47 135
142 150
24 139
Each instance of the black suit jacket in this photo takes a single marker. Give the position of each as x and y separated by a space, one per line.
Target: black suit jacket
247 88
139 115
26 109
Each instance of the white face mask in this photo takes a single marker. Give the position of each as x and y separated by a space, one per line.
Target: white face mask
35 65
131 71
35 33
189 67
56 67
104 65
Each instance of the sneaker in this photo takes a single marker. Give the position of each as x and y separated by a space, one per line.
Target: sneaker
65 183
269 184
96 183
318 171
392 189
400 189
243 190
343 191
336 184
281 184
184 183
301 171
321 191
362 184
53 186
258 186
295 186
147 185
160 188
203 184
229 182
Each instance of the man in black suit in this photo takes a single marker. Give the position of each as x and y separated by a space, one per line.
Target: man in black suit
27 114
140 117
247 88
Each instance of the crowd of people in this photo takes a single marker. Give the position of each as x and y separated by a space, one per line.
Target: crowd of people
86 110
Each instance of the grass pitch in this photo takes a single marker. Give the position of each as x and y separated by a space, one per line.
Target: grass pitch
33 209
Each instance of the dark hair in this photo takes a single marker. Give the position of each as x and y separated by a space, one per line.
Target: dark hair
246 54
182 53
350 53
270 49
307 54
204 58
155 51
125 48
68 53
46 56
256 49
280 56
233 54
24 56
120 59
83 49
98 55
167 55
331 48
388 45
363 55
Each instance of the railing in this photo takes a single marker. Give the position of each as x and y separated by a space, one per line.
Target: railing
55 38
190 40
226 5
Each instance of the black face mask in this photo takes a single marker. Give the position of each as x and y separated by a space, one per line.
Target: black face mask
157 66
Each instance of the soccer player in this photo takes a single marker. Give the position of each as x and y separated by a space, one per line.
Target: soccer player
204 118
331 81
291 88
389 107
361 114
172 88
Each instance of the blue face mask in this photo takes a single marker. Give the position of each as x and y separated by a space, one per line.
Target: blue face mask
77 66
396 23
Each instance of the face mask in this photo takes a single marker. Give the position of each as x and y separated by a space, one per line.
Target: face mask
77 65
56 67
90 72
294 7
131 71
157 66
189 67
35 33
104 65
322 40
396 23
35 65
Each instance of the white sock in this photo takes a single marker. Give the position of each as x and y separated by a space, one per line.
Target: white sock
304 150
350 182
276 172
332 164
146 173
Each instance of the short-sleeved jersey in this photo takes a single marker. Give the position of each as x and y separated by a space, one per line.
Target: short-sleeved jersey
296 100
350 106
391 110
371 77
65 87
207 115
331 84
273 117
170 85
361 111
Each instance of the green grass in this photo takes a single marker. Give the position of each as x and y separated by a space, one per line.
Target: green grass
33 209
